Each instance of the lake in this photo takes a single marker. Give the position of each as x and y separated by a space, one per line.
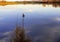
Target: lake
41 22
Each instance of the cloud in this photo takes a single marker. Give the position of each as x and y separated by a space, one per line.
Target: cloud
6 36
28 10
46 33
1 17
7 33
56 19
2 41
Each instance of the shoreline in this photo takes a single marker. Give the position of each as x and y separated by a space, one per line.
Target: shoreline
26 2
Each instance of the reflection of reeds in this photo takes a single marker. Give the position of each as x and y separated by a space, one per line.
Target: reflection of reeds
19 36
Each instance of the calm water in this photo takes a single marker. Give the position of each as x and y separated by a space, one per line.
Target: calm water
41 23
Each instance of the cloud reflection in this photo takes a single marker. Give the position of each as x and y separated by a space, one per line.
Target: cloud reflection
58 19
47 32
6 36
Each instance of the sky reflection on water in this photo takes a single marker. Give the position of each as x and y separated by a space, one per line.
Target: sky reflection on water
41 23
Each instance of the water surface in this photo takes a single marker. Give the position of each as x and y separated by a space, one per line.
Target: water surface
41 23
